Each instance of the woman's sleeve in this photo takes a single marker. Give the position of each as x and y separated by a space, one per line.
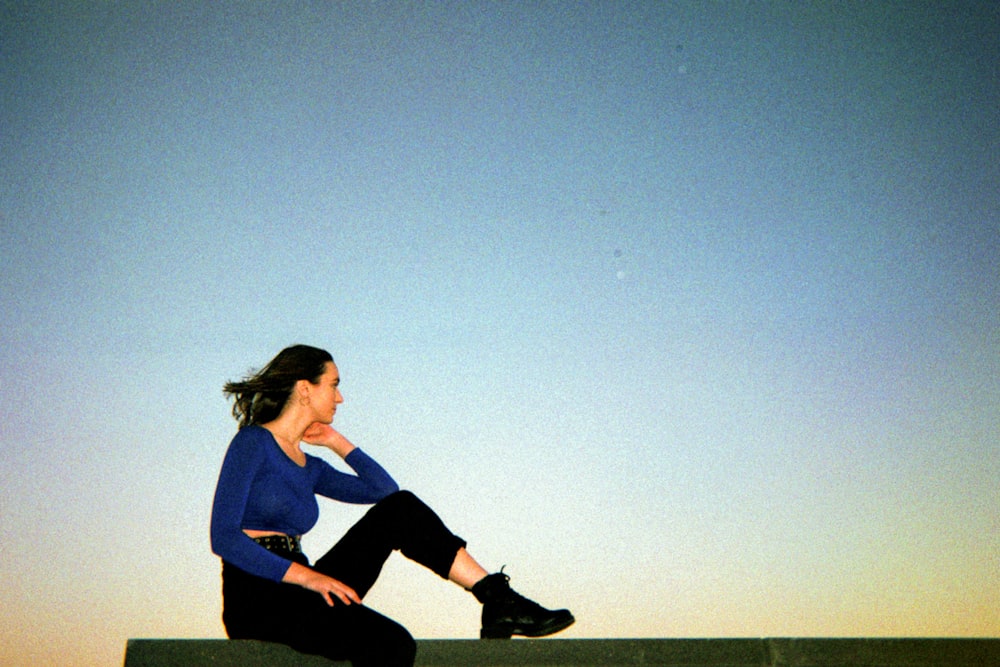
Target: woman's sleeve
229 542
371 484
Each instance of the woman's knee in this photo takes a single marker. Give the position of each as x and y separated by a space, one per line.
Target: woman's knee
400 653
401 505
401 498
404 649
384 643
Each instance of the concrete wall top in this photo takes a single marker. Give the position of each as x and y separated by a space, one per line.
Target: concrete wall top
768 652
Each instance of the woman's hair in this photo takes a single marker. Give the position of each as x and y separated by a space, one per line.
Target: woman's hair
260 397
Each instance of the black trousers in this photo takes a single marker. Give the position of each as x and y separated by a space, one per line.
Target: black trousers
256 608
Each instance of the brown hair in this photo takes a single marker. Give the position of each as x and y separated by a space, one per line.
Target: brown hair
261 396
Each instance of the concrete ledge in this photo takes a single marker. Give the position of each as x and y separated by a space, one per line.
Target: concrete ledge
873 652
221 652
591 652
772 652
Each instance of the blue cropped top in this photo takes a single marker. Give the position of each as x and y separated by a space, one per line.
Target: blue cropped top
260 488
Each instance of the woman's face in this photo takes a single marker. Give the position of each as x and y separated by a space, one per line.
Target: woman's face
324 396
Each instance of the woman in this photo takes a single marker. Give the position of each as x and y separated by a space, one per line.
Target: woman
266 500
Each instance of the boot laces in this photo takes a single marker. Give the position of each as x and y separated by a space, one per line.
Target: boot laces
516 599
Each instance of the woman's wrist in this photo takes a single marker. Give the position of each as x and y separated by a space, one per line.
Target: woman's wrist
343 448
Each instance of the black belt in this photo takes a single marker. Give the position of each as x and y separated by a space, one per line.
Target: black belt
280 543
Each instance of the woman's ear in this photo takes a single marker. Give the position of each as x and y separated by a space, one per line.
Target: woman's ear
302 390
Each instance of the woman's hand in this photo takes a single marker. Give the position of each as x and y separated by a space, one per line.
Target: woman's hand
325 435
318 582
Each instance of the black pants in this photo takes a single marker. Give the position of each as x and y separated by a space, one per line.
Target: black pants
256 608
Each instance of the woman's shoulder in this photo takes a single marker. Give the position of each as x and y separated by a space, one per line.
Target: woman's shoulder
250 437
247 449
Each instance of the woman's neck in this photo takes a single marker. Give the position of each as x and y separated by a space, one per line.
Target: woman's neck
288 434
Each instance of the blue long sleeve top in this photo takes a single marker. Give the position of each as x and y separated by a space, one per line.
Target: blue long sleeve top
261 488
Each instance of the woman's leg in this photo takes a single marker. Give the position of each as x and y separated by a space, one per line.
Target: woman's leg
256 608
465 571
398 522
363 636
402 521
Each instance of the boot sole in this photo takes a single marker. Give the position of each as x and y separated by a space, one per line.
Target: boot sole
507 631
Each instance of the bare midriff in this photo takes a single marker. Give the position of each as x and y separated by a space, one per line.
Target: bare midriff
264 533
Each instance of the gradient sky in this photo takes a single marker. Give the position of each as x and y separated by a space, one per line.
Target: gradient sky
688 313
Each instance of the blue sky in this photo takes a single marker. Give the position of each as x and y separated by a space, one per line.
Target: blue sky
688 311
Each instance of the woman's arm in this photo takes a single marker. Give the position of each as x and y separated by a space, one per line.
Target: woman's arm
371 484
324 435
320 583
229 542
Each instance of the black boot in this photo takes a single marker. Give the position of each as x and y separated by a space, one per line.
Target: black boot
507 613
